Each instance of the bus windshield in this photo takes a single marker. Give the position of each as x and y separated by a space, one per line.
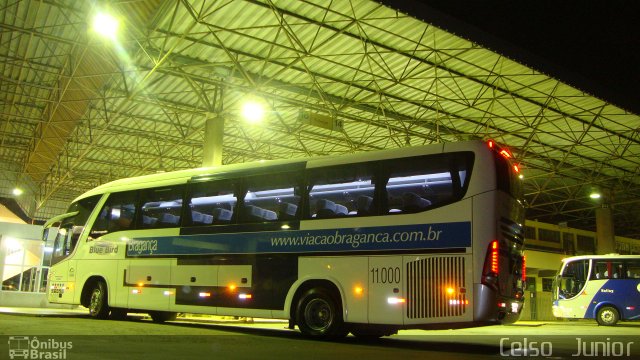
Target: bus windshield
572 278
71 227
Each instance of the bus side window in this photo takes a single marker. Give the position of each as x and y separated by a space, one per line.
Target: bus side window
633 268
339 191
161 207
271 197
211 203
415 184
118 213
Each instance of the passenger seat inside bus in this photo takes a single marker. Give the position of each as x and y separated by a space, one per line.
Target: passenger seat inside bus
168 219
257 214
328 209
412 202
148 221
220 215
363 205
287 211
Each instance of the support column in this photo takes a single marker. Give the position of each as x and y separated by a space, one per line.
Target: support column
3 255
213 136
605 235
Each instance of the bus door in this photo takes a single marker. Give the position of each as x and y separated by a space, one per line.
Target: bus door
571 293
62 275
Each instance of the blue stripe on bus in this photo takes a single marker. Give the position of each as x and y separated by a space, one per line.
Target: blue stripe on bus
385 238
624 294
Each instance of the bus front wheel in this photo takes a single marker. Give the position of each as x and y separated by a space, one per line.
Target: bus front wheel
607 316
98 302
319 315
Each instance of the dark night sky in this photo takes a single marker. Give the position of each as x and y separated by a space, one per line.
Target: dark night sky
593 45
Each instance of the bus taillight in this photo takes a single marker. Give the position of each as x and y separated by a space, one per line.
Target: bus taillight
494 257
491 265
524 269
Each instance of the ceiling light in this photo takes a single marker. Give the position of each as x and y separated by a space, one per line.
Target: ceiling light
252 111
105 25
595 195
17 191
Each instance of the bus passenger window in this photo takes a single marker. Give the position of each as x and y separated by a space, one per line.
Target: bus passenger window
117 214
211 203
161 207
633 268
271 197
418 183
341 191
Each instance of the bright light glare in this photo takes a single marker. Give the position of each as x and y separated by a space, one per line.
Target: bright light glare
450 291
594 195
252 112
105 25
17 191
395 300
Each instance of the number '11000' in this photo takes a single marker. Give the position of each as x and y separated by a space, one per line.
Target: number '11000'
385 275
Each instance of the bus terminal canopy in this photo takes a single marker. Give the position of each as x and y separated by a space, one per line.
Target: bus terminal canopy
80 109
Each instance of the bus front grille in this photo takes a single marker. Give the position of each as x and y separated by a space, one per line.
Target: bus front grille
436 287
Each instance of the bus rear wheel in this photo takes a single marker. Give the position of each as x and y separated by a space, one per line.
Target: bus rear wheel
607 316
319 315
98 301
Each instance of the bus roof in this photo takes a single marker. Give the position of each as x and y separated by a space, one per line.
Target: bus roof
183 176
600 257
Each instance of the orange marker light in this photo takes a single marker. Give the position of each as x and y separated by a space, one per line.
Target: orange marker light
450 291
505 153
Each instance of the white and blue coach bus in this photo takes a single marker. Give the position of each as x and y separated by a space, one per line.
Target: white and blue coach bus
366 243
601 287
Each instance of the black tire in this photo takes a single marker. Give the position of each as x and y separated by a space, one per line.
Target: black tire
162 316
118 314
99 301
607 316
319 315
370 334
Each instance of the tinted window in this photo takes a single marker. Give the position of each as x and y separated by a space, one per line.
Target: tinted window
506 179
212 202
586 244
573 278
84 208
633 269
530 232
340 191
549 235
161 207
419 183
271 197
118 213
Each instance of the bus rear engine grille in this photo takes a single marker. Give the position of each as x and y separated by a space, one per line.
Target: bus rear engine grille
436 287
511 231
